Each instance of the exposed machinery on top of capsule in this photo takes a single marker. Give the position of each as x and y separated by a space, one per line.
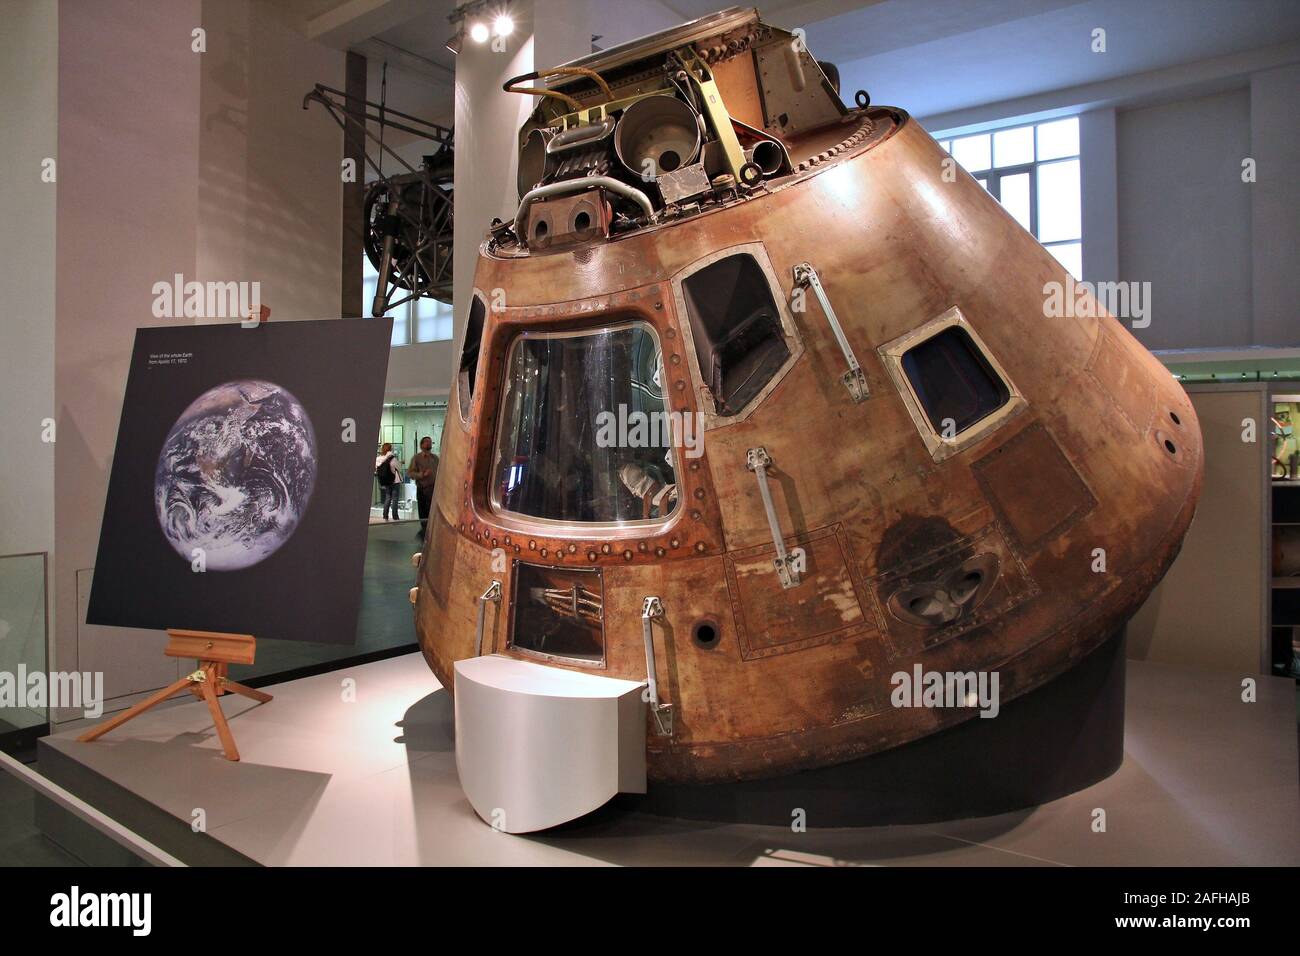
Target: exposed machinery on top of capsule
664 129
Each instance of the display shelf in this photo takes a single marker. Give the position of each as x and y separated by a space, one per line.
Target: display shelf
1284 585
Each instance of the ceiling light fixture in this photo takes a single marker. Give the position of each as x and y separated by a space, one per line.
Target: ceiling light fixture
504 25
478 32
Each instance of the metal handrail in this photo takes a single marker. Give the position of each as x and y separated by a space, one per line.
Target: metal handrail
493 594
578 185
106 825
855 380
758 461
651 609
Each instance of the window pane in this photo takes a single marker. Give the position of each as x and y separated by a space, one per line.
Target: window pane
400 329
1070 255
983 182
1012 147
368 293
947 145
972 152
953 381
1058 201
1058 139
1015 197
583 433
432 320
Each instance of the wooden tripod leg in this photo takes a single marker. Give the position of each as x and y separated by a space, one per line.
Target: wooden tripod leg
236 688
113 722
219 719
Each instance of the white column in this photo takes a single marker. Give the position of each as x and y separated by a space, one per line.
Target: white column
547 33
1099 194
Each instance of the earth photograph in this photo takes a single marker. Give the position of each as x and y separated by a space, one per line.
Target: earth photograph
235 474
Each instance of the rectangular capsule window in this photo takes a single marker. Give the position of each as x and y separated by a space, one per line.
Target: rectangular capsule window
559 613
953 381
736 327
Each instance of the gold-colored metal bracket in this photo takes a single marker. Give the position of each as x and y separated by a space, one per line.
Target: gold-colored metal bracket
715 110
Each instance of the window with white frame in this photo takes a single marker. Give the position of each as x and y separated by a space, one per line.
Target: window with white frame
1033 171
419 320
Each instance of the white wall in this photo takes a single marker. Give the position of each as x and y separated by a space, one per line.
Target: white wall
1099 194
270 186
127 217
1185 218
171 161
1163 197
617 23
1275 205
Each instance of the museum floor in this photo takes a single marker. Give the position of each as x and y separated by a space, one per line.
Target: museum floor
1206 780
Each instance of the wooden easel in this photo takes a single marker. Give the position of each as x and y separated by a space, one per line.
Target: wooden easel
215 653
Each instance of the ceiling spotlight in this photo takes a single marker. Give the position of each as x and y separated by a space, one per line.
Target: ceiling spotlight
478 32
504 25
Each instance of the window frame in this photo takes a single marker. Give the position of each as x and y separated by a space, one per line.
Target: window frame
708 406
523 520
465 410
939 447
404 315
991 177
511 645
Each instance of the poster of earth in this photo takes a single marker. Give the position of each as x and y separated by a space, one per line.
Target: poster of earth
239 494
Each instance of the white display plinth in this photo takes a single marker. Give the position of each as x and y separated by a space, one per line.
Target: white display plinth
537 746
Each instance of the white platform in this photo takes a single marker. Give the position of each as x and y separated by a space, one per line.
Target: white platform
539 746
1206 780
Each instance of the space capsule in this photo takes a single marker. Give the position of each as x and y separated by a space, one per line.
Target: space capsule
758 406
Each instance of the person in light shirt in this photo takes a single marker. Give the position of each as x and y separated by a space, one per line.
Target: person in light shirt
424 469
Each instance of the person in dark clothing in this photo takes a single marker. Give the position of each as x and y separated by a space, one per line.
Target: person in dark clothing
388 476
424 469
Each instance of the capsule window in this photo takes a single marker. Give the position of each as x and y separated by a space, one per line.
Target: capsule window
953 381
953 387
736 328
559 613
469 350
